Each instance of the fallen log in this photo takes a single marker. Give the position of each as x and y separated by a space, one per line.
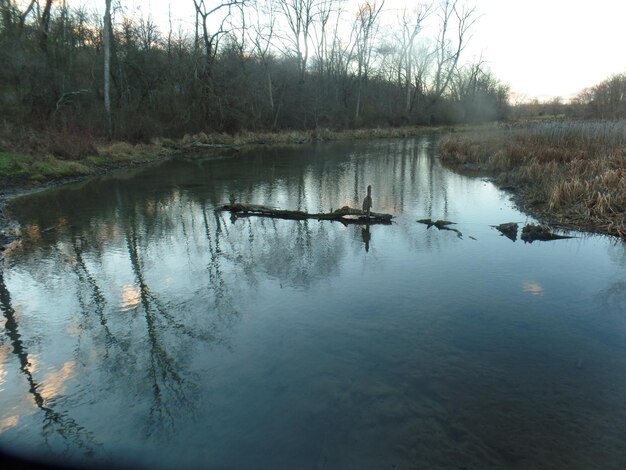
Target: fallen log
531 233
345 215
441 225
509 230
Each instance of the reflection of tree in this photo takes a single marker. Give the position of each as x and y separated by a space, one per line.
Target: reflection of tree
54 422
219 289
613 299
367 236
141 228
292 251
168 386
97 296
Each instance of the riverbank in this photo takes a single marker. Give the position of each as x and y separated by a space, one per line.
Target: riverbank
568 174
32 162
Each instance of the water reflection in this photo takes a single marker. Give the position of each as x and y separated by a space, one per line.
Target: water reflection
367 236
176 335
55 423
533 288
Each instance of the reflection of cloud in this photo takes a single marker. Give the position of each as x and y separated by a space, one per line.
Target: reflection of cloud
54 382
130 297
12 248
8 423
33 232
4 352
532 288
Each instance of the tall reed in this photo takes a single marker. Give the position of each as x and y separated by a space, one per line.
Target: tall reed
571 173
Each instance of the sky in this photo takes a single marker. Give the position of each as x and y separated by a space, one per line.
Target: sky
548 48
541 48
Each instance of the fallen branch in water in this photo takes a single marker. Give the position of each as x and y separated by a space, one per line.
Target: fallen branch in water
531 233
345 215
509 230
441 225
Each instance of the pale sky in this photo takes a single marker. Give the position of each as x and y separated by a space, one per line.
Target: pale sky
541 48
547 48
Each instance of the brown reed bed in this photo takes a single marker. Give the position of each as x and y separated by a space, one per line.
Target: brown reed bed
571 174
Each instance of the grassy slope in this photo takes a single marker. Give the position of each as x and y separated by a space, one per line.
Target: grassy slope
21 169
570 173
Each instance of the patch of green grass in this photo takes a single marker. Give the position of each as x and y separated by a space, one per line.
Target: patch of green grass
12 164
51 168
36 170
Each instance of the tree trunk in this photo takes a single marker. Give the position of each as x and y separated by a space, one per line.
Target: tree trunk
269 88
357 110
45 26
107 67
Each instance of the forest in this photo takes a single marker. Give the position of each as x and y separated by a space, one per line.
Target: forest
262 65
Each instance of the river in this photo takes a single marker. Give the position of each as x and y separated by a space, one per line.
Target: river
143 329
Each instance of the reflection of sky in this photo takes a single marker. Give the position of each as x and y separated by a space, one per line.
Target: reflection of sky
4 353
7 423
532 288
53 383
130 297
131 314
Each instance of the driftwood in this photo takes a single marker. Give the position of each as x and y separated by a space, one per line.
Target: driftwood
531 233
509 230
202 145
441 225
346 215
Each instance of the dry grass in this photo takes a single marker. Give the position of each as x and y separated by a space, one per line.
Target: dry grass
573 173
28 156
297 137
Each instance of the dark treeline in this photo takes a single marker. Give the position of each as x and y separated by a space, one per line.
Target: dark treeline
263 65
606 100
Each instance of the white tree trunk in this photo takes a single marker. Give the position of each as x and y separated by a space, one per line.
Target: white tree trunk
107 67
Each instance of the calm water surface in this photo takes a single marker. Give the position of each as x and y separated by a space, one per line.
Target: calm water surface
141 328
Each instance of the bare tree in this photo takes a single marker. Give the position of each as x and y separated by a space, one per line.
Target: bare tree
205 15
12 15
300 15
366 27
44 25
324 12
148 33
107 66
261 34
411 26
457 20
